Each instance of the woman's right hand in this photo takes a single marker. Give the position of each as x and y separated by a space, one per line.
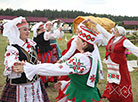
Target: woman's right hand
58 85
93 22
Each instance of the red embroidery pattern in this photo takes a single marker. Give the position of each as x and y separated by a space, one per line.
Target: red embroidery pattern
60 66
14 55
33 92
88 37
28 45
92 78
83 100
25 94
38 95
124 91
113 76
8 54
76 65
71 60
11 53
95 101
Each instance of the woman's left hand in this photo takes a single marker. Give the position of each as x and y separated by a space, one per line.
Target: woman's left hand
59 61
18 67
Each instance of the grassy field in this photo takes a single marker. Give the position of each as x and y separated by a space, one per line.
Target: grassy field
52 93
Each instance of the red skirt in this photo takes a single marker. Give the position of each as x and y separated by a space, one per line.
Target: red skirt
122 92
118 93
47 57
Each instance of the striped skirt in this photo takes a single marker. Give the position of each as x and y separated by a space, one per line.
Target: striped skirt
47 57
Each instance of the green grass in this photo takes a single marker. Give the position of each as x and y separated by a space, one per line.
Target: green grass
52 93
3 43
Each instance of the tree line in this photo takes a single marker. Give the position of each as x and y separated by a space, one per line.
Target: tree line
53 14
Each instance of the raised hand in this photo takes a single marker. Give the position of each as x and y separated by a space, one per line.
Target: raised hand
91 21
85 21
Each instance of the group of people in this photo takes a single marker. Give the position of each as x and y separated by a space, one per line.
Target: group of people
79 67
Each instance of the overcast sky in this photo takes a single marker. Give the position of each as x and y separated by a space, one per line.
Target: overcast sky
113 7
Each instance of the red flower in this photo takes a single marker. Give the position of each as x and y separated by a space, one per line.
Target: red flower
78 64
74 63
8 54
78 68
74 67
82 70
60 66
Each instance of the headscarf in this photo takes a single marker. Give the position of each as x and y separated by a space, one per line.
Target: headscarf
11 29
48 22
92 37
121 30
36 27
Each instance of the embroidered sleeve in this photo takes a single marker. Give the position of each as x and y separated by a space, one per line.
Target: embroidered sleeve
76 64
11 56
130 46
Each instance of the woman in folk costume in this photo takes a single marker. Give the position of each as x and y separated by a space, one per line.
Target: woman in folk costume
44 49
37 29
66 54
18 88
82 69
119 88
51 27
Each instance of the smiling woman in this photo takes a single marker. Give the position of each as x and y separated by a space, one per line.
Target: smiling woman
118 88
18 88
